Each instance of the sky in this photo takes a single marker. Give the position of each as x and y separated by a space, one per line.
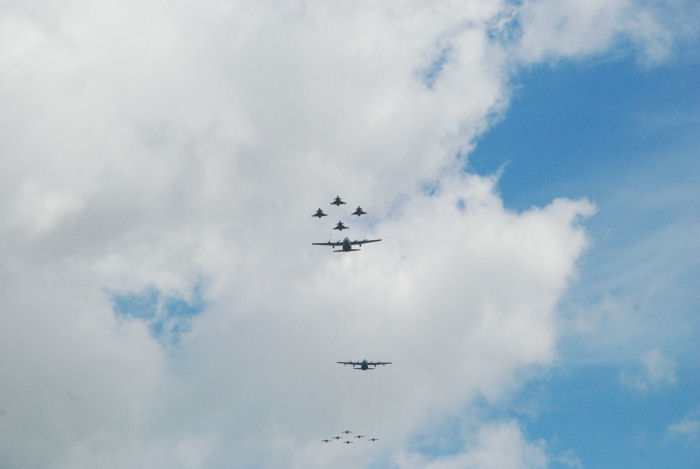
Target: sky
530 166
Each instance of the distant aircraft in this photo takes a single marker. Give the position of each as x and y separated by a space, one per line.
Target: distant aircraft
319 213
326 441
337 201
364 365
373 439
347 442
346 432
340 226
337 437
346 244
359 436
358 211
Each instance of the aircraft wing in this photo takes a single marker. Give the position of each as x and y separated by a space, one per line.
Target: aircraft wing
360 242
350 363
378 363
329 243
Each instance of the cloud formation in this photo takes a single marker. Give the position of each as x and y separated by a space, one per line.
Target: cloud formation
688 427
180 148
499 445
658 371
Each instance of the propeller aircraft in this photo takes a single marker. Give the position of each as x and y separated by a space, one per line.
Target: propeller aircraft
364 365
346 245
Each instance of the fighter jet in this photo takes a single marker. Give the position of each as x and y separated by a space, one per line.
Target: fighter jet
359 212
337 201
346 244
364 365
319 213
340 226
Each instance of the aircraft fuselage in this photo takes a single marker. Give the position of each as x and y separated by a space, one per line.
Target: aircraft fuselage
363 366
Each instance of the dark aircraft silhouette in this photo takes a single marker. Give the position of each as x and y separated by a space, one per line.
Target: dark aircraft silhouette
337 201
346 432
373 439
340 226
337 437
346 244
319 213
347 442
359 436
364 365
326 441
358 211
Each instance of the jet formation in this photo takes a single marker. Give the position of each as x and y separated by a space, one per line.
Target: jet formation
347 439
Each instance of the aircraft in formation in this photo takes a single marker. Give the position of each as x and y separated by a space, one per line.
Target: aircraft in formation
319 213
337 201
340 226
358 211
346 244
364 365
347 441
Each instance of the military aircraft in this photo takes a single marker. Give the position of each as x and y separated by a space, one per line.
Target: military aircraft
319 213
359 212
347 442
326 441
337 437
346 244
346 432
359 436
340 226
337 201
364 365
373 439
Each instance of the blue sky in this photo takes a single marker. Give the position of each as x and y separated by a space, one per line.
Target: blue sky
612 130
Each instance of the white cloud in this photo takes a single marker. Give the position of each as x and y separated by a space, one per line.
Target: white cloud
658 371
498 445
573 28
688 427
182 144
567 459
659 368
